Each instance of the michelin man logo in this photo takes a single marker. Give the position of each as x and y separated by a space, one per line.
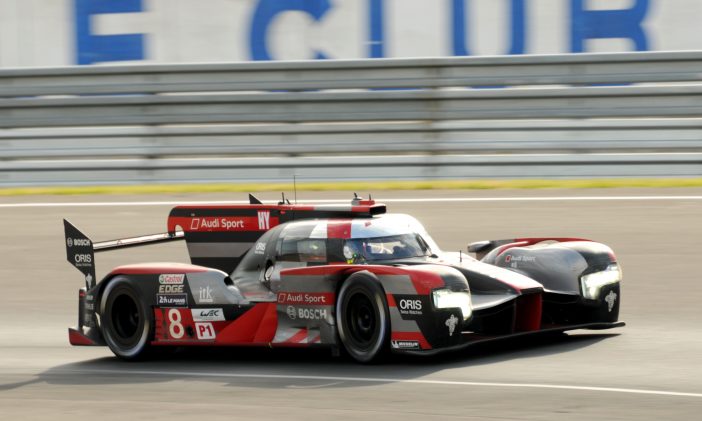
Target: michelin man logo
611 298
88 278
451 323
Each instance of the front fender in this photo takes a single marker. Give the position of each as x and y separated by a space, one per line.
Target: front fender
415 323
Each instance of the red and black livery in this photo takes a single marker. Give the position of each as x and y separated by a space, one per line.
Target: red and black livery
345 277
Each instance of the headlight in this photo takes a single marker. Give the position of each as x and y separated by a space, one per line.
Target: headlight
445 298
592 283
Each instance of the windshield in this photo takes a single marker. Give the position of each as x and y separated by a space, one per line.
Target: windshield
401 246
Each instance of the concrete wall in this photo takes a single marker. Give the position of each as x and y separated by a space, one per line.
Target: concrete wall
71 32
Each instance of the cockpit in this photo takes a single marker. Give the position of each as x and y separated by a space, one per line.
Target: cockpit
386 237
402 246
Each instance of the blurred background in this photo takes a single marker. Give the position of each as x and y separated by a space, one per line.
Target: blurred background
176 91
190 100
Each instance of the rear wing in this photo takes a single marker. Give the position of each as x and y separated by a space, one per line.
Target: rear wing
80 250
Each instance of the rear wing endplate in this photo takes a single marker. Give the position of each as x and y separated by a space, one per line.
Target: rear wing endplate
80 250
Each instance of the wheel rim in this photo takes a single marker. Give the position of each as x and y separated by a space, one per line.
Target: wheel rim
125 318
362 320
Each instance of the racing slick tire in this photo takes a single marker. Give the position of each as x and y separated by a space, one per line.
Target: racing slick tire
362 318
125 320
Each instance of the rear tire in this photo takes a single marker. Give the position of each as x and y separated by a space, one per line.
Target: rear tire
362 318
125 320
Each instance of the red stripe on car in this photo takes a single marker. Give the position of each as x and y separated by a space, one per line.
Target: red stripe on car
77 338
268 326
157 268
528 312
298 337
339 229
424 279
256 325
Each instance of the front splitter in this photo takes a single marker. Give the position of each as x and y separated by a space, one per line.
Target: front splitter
472 339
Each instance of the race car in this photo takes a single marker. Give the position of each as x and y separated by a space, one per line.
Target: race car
351 278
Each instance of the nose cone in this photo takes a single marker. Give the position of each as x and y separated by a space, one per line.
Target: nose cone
515 280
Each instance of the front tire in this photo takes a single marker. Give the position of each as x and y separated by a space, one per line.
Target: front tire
125 320
362 317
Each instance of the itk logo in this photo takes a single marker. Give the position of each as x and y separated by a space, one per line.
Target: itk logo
451 324
264 220
206 295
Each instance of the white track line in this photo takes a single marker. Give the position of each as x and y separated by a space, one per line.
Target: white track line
384 380
402 200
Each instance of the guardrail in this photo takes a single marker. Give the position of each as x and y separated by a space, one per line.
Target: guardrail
425 73
151 123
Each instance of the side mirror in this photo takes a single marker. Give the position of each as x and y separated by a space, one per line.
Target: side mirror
268 274
479 246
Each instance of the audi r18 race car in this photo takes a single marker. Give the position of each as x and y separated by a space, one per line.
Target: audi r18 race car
351 278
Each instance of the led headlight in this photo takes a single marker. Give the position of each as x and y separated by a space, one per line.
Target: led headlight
445 298
592 283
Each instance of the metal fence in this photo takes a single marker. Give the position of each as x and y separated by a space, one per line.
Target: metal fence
484 117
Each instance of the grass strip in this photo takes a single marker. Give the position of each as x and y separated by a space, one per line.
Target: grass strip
357 186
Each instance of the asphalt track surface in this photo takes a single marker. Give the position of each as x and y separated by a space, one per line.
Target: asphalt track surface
650 369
